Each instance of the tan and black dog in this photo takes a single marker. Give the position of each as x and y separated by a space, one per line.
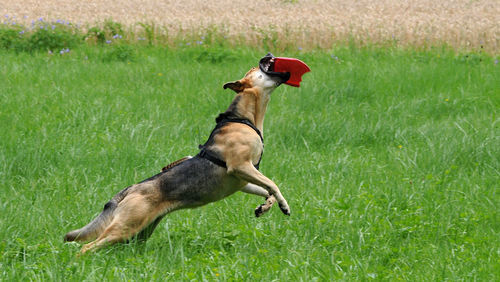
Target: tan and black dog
227 163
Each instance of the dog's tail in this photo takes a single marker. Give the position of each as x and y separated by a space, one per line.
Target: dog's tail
98 225
92 230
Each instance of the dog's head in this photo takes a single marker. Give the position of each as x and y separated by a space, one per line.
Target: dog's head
254 78
263 78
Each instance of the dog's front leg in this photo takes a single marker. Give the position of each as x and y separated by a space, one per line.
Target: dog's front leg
249 173
259 191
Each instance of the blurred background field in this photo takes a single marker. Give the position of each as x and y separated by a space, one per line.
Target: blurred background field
461 24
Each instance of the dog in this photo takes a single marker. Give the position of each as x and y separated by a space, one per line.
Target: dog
227 163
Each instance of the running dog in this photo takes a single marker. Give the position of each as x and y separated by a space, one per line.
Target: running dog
227 163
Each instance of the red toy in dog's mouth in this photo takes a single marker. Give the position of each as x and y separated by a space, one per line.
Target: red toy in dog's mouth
290 70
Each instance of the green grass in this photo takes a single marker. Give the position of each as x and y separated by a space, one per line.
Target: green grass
388 158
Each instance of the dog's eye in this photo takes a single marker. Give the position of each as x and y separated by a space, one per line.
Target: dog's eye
260 76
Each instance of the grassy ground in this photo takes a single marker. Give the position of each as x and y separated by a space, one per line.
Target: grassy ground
389 160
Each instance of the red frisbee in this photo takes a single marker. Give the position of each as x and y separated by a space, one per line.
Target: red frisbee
295 67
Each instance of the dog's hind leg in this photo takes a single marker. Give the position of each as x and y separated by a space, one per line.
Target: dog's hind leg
145 233
259 191
134 213
92 230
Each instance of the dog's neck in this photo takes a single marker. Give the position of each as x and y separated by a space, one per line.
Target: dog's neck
250 104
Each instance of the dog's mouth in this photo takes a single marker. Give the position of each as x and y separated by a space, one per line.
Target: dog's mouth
266 65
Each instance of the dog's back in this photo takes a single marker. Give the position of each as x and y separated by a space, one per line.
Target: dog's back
197 182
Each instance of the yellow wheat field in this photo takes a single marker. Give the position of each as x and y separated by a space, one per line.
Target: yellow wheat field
464 24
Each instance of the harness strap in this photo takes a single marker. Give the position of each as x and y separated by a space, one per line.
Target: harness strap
206 154
211 156
246 122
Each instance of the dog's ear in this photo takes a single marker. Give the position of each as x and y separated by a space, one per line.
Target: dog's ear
236 86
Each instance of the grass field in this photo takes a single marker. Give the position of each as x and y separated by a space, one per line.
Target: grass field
388 158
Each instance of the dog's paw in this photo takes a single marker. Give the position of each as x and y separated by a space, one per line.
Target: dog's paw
259 211
285 209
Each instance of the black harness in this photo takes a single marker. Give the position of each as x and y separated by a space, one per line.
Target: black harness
212 156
